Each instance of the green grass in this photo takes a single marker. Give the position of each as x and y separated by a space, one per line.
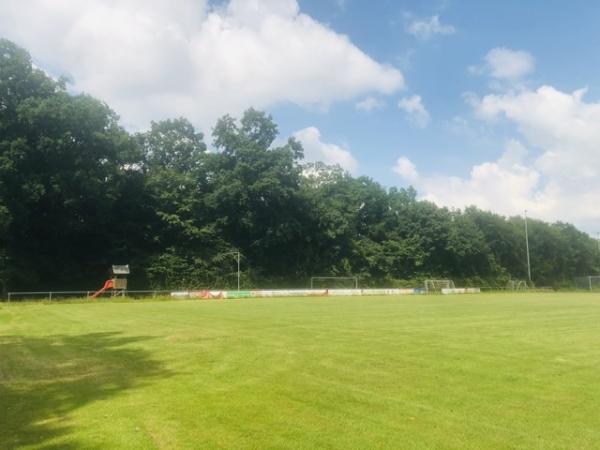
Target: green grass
482 371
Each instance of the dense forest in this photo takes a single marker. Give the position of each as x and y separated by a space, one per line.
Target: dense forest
78 193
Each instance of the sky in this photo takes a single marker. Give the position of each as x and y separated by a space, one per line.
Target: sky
492 104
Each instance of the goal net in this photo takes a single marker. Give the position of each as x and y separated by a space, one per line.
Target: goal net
334 283
516 285
438 285
589 283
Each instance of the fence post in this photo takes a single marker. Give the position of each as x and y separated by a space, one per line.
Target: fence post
50 295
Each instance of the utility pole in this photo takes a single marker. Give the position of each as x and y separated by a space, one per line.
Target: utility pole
527 247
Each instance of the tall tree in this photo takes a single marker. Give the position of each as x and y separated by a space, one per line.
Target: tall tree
61 159
78 192
254 198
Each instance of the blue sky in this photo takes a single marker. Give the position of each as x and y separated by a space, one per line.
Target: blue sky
495 104
561 37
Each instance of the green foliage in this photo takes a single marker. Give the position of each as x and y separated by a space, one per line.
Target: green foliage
78 193
63 160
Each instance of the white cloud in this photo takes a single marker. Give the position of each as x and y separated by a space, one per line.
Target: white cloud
509 64
505 186
505 64
557 179
369 104
406 169
152 59
561 124
317 150
427 28
414 108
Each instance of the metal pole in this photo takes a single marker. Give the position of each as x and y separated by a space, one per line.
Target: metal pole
527 246
238 273
598 240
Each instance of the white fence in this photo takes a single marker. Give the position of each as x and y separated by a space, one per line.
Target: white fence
222 294
450 291
262 293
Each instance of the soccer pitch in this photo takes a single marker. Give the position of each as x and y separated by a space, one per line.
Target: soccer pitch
480 371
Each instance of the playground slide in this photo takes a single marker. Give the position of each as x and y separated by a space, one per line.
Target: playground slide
109 284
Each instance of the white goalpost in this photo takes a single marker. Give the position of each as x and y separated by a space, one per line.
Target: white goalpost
438 285
333 282
517 285
589 283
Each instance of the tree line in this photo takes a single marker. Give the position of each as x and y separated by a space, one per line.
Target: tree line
78 193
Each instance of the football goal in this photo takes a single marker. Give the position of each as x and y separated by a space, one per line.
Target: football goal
432 286
589 283
334 282
516 285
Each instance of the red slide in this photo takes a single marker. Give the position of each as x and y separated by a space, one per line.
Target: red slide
109 284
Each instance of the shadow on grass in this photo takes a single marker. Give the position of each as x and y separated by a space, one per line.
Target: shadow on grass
44 379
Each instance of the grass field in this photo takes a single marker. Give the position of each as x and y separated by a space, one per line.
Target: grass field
481 371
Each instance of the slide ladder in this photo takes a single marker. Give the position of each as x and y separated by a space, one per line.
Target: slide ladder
109 284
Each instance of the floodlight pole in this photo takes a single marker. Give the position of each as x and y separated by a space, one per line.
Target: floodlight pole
527 247
237 257
238 267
